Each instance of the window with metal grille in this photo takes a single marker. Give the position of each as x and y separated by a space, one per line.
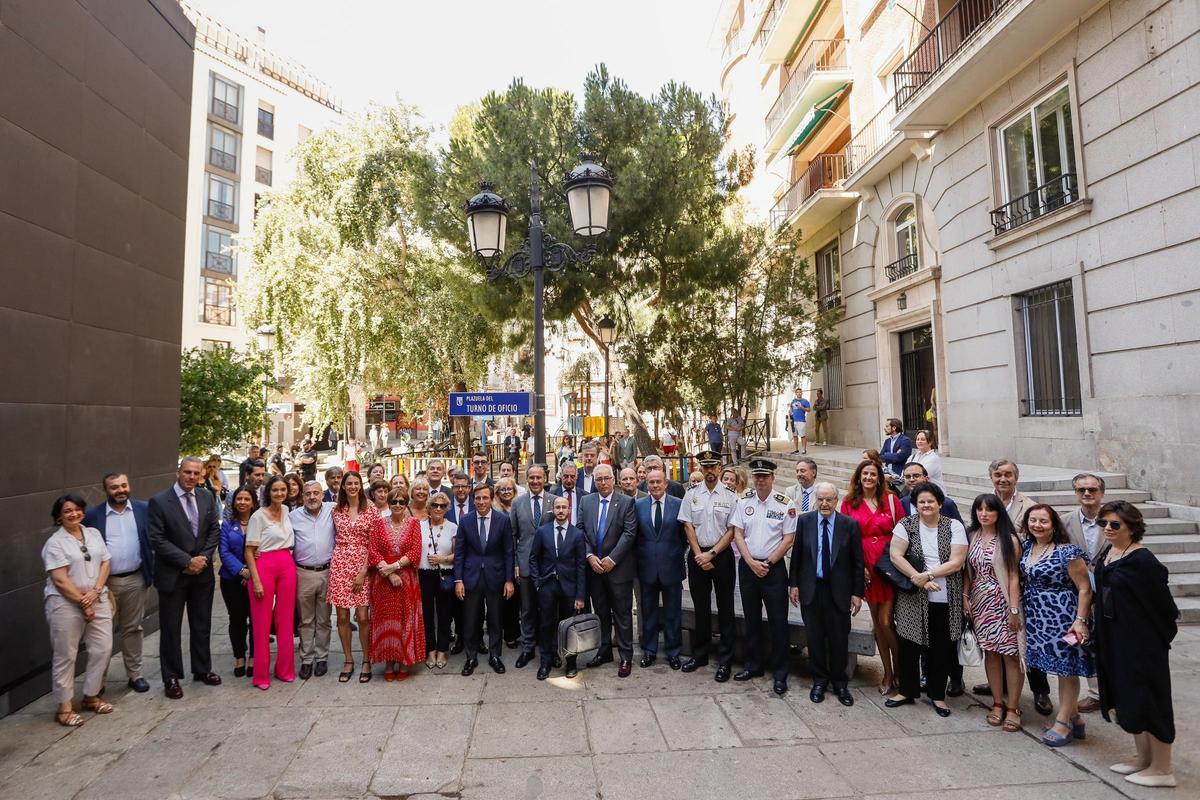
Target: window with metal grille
222 149
222 199
218 302
1051 355
833 376
218 250
829 278
226 100
266 122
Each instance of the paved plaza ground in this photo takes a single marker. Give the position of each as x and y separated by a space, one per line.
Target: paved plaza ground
657 735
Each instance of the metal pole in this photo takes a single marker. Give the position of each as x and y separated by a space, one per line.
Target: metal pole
537 263
605 391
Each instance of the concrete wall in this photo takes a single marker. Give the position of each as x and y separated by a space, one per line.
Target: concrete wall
93 173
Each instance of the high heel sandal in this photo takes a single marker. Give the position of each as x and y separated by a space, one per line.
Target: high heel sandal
1052 738
1012 720
345 675
365 675
1078 730
388 675
994 719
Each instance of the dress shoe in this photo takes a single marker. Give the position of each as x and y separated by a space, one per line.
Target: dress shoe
1159 781
625 668
320 668
558 662
817 693
496 664
543 671
845 697
693 664
1041 703
1128 768
239 672
982 689
139 685
483 648
572 668
524 659
601 658
780 686
893 703
1089 705
174 690
305 671
208 678
673 662
747 674
648 660
469 666
955 689
722 673
941 712
457 648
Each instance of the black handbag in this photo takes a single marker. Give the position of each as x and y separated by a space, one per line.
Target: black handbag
887 569
446 580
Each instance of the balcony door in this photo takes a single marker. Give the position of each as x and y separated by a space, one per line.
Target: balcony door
917 377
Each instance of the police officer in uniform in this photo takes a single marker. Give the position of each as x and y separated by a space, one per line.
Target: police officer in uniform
705 517
764 526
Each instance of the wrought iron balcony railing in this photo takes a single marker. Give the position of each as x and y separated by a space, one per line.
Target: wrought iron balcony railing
226 111
219 210
830 300
262 175
1050 196
870 138
218 262
902 266
821 55
219 158
825 171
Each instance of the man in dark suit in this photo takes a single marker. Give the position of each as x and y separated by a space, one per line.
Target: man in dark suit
461 502
184 526
826 581
609 526
674 488
558 569
132 568
568 475
660 565
480 468
896 447
333 484
529 512
914 474
484 562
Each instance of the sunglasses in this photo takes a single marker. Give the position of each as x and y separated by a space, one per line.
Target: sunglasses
397 502
439 505
1087 490
86 555
1109 524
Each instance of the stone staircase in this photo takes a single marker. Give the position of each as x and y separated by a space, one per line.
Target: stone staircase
1176 542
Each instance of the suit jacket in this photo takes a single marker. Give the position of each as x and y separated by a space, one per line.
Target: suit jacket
452 512
472 563
569 566
845 576
1021 504
660 556
97 517
617 539
171 538
674 488
895 453
558 491
949 508
525 526
1070 521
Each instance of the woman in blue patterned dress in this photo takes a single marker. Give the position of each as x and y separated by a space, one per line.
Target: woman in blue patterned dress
1056 597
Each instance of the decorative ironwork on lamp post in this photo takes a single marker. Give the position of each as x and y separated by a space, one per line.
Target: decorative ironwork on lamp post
589 190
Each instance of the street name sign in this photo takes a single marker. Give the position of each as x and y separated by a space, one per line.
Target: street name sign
490 404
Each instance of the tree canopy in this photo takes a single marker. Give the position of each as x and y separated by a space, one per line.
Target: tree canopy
220 399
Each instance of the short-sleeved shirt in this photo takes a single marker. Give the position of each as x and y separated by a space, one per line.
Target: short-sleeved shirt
308 472
708 512
437 541
929 547
268 534
713 429
735 424
64 550
800 409
313 536
764 523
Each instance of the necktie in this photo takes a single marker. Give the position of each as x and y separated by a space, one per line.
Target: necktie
193 515
603 519
826 546
537 510
483 532
658 516
558 543
462 510
804 500
571 504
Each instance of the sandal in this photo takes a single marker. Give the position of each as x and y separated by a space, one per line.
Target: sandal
388 675
98 705
1052 738
68 719
345 674
401 674
1012 720
996 719
887 689
365 675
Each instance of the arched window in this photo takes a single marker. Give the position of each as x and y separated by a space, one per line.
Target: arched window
907 259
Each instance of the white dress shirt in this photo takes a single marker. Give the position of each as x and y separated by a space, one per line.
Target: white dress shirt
708 512
121 538
764 523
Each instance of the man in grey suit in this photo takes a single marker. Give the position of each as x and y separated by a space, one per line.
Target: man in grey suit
609 526
529 512
1083 529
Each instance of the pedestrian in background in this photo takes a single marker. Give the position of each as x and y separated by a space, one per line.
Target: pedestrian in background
820 409
735 429
214 479
235 576
798 416
712 432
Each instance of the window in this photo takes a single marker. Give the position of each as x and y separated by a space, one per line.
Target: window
1037 162
218 250
828 278
833 376
302 133
222 199
214 344
907 261
1051 374
218 302
262 166
226 100
266 122
222 149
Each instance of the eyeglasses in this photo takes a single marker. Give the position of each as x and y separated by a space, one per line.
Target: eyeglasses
1086 489
1109 524
442 506
397 502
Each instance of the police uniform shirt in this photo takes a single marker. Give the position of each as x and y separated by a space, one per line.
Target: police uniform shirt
764 523
708 512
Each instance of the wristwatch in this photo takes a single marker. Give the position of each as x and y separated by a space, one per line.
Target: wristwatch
1014 611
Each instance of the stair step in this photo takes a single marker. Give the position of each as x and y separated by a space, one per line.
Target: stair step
1184 584
1173 543
1159 526
1180 562
1189 609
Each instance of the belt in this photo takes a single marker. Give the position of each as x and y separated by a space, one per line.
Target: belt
321 568
439 570
137 571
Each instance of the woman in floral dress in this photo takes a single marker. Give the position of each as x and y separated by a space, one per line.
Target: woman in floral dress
992 599
354 518
397 629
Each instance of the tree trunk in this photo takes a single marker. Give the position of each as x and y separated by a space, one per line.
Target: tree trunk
633 414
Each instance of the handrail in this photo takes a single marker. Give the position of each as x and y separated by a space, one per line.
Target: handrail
870 138
825 171
769 17
737 42
902 266
821 55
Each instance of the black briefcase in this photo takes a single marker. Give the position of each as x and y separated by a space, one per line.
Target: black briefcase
579 636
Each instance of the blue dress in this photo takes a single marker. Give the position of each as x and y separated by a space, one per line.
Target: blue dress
1051 602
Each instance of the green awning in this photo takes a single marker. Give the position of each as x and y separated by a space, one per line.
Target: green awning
816 117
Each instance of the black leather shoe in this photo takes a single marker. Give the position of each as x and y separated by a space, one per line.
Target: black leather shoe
174 690
239 672
625 668
982 689
483 648
572 668
320 668
543 671
1042 703
722 673
893 703
747 674
647 660
844 697
305 671
457 648
817 693
955 689
524 659
469 666
780 687
557 662
693 664
496 664
601 658
139 685
208 678
941 712
673 662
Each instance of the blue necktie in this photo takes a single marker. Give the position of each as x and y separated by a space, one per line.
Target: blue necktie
537 510
483 533
600 527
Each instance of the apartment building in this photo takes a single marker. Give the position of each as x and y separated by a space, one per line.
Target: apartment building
1001 198
250 109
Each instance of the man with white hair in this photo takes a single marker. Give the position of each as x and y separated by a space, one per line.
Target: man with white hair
674 487
609 525
312 524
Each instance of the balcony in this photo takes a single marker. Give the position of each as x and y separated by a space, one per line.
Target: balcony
221 211
1050 196
735 47
902 267
218 262
817 196
783 21
830 300
262 175
222 160
820 70
225 111
975 45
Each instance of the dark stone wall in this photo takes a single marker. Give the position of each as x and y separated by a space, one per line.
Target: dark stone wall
94 125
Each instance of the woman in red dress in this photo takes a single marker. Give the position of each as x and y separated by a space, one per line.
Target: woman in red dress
397 628
877 510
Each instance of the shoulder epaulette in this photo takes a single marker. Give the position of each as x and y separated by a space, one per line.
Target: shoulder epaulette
782 498
749 493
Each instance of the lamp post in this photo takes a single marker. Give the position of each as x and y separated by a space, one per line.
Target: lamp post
588 188
266 343
608 335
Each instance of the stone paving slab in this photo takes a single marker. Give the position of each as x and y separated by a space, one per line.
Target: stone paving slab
340 754
623 725
425 751
543 778
529 729
689 722
762 719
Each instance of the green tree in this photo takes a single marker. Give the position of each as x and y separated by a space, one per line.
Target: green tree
220 399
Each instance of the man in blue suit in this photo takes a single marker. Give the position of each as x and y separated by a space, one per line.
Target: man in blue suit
558 569
896 448
484 560
461 503
122 523
661 544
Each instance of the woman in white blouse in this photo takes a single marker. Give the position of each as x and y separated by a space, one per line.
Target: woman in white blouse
77 607
436 573
269 543
925 455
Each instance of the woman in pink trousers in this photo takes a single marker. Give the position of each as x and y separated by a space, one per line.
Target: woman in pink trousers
269 542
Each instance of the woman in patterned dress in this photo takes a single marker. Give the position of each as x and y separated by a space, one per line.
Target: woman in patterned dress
1056 597
354 518
877 510
397 629
992 599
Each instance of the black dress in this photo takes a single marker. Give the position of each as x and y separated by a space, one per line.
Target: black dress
1134 624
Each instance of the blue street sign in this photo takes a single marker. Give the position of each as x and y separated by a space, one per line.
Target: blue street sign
487 404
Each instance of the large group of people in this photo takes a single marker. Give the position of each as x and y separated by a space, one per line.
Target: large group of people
422 568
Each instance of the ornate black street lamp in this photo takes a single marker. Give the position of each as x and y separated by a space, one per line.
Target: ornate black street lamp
589 189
